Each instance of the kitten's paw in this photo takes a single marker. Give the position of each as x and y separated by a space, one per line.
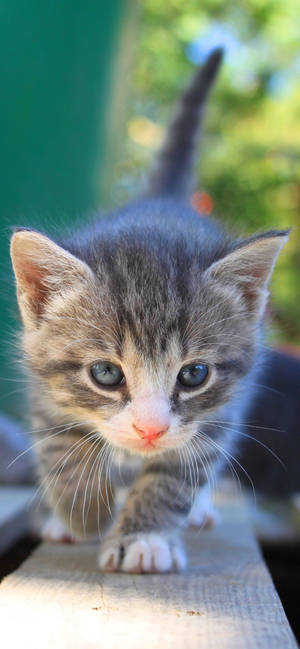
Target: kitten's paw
203 514
142 553
55 531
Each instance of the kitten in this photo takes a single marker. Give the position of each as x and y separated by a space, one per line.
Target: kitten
142 338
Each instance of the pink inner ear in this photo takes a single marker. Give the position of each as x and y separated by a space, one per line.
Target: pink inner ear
33 276
42 267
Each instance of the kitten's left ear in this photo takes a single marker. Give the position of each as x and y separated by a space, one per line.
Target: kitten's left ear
249 268
42 269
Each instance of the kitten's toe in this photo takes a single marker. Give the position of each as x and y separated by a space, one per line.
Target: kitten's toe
178 559
143 553
137 557
55 531
203 514
109 559
204 520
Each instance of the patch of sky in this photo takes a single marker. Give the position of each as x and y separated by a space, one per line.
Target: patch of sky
283 81
245 59
217 35
236 53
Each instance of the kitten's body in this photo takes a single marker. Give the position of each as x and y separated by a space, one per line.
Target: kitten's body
152 289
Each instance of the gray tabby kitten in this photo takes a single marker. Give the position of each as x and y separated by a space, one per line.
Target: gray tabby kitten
141 338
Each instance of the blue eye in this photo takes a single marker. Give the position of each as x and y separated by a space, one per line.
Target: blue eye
192 375
107 374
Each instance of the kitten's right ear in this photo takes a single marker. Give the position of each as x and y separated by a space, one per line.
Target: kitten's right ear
42 269
249 267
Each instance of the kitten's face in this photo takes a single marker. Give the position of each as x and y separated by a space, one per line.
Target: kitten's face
154 329
151 409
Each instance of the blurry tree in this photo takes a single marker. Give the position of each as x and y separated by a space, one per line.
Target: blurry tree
250 151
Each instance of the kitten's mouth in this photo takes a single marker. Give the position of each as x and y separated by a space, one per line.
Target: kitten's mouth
144 445
149 442
148 447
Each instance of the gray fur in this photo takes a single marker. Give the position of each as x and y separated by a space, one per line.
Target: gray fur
157 284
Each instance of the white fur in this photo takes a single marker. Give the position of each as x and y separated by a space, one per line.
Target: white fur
151 412
151 553
203 514
54 530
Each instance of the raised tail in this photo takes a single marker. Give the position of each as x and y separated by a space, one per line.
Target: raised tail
172 172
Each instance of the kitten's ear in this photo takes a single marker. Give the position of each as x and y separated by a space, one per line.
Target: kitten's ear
249 268
42 269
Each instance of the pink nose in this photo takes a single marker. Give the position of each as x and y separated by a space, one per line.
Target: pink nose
150 416
150 431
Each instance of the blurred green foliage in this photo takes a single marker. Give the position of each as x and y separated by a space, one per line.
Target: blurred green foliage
250 151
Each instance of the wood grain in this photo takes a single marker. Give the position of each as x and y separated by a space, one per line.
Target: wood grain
226 599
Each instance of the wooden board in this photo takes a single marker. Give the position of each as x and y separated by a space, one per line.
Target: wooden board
226 599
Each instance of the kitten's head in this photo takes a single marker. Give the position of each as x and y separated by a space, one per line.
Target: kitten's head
149 338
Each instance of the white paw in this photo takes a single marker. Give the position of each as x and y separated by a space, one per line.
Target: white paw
203 514
141 553
55 531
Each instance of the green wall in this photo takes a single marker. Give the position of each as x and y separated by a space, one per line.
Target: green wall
56 60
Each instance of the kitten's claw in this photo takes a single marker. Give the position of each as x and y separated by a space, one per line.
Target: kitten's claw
141 553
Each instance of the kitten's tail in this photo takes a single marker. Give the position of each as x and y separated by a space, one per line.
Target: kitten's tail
172 173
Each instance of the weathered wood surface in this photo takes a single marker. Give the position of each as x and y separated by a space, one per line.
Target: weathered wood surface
226 599
15 519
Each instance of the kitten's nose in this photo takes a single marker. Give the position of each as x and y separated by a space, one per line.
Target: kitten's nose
149 432
151 417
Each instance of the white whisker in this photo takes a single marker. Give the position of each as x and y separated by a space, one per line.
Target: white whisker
89 453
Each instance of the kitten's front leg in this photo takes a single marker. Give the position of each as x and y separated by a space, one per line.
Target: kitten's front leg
146 536
79 496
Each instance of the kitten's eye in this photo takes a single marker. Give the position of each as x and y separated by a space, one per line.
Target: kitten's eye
192 375
107 374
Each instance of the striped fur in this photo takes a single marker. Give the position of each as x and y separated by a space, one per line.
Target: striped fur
150 288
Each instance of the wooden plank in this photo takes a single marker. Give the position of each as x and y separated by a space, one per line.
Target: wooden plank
15 513
225 600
